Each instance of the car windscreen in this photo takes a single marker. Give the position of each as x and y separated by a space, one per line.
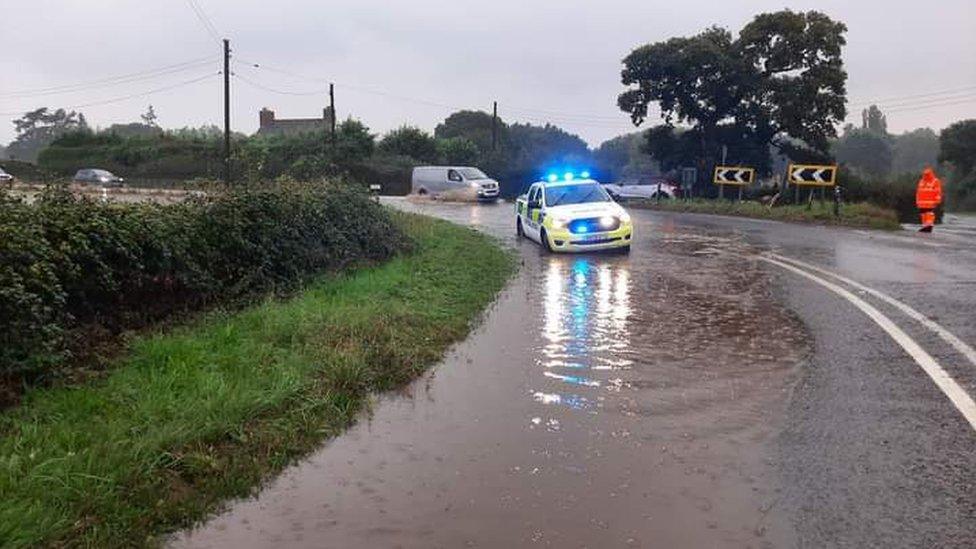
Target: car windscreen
473 173
563 195
102 173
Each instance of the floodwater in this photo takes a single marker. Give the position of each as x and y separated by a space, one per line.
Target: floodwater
604 401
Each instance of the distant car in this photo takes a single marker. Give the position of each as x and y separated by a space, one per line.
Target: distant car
91 176
453 180
651 189
6 178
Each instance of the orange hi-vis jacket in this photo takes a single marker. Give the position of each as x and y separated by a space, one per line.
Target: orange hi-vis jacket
928 195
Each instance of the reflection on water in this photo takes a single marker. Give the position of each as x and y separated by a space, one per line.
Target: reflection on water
585 323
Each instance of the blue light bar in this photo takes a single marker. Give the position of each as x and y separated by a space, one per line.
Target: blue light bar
552 178
568 176
585 174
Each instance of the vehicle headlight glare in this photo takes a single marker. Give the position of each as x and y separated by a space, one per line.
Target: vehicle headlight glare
607 221
559 223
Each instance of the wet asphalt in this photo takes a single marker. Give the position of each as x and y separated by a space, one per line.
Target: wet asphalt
686 395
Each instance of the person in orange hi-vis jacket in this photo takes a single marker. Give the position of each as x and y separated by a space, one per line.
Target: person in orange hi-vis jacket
928 196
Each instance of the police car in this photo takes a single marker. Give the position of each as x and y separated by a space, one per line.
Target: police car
572 214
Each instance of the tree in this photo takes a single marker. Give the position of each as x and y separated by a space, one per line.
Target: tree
780 82
914 150
874 121
412 142
957 145
536 149
149 118
458 151
134 129
353 141
473 125
38 128
866 152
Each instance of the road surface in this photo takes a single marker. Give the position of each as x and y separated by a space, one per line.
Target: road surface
704 391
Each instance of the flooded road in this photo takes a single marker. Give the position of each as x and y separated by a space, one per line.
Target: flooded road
647 400
606 400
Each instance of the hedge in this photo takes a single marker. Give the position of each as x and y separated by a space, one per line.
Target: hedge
67 261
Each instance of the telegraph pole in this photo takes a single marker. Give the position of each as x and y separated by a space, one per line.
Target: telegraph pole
494 126
226 111
332 130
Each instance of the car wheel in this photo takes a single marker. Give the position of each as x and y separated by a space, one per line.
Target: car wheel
545 240
518 228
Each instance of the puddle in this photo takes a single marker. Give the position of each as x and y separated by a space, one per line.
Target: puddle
606 401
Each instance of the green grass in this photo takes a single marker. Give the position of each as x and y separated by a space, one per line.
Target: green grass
205 412
860 214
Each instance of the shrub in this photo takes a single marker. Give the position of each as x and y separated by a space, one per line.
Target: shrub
67 262
896 193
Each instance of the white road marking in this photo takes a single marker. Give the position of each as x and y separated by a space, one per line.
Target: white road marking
950 338
957 395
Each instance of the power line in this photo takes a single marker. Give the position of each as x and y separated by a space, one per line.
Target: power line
916 96
924 102
933 105
131 96
275 90
204 20
109 81
582 119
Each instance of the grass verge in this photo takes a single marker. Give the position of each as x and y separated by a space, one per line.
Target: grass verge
860 214
205 412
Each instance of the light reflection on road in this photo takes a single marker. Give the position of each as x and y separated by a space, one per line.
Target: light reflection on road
585 332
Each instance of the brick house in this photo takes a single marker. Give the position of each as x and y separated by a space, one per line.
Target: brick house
293 126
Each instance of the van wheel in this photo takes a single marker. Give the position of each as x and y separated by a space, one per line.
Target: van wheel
518 228
545 240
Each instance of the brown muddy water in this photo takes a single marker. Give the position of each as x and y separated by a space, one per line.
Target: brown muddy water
604 401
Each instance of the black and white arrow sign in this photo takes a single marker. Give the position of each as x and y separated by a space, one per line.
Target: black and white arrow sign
733 175
812 174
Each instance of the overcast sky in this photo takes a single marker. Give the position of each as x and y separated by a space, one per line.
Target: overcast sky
414 62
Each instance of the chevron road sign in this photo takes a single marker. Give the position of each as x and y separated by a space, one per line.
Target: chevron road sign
733 175
811 174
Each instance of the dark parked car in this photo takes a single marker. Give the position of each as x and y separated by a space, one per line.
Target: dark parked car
104 178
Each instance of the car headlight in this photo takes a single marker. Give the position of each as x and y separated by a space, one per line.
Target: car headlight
607 221
559 222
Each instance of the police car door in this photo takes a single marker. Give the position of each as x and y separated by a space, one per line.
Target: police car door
533 213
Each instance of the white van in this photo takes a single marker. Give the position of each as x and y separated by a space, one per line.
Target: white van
456 181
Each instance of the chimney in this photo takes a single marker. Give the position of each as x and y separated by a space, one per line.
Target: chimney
267 118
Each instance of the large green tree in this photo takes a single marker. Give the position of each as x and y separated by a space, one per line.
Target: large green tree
874 121
866 152
410 141
914 150
780 82
38 128
473 125
958 146
623 157
458 151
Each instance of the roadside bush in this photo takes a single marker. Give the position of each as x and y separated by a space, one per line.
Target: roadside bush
896 193
67 262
